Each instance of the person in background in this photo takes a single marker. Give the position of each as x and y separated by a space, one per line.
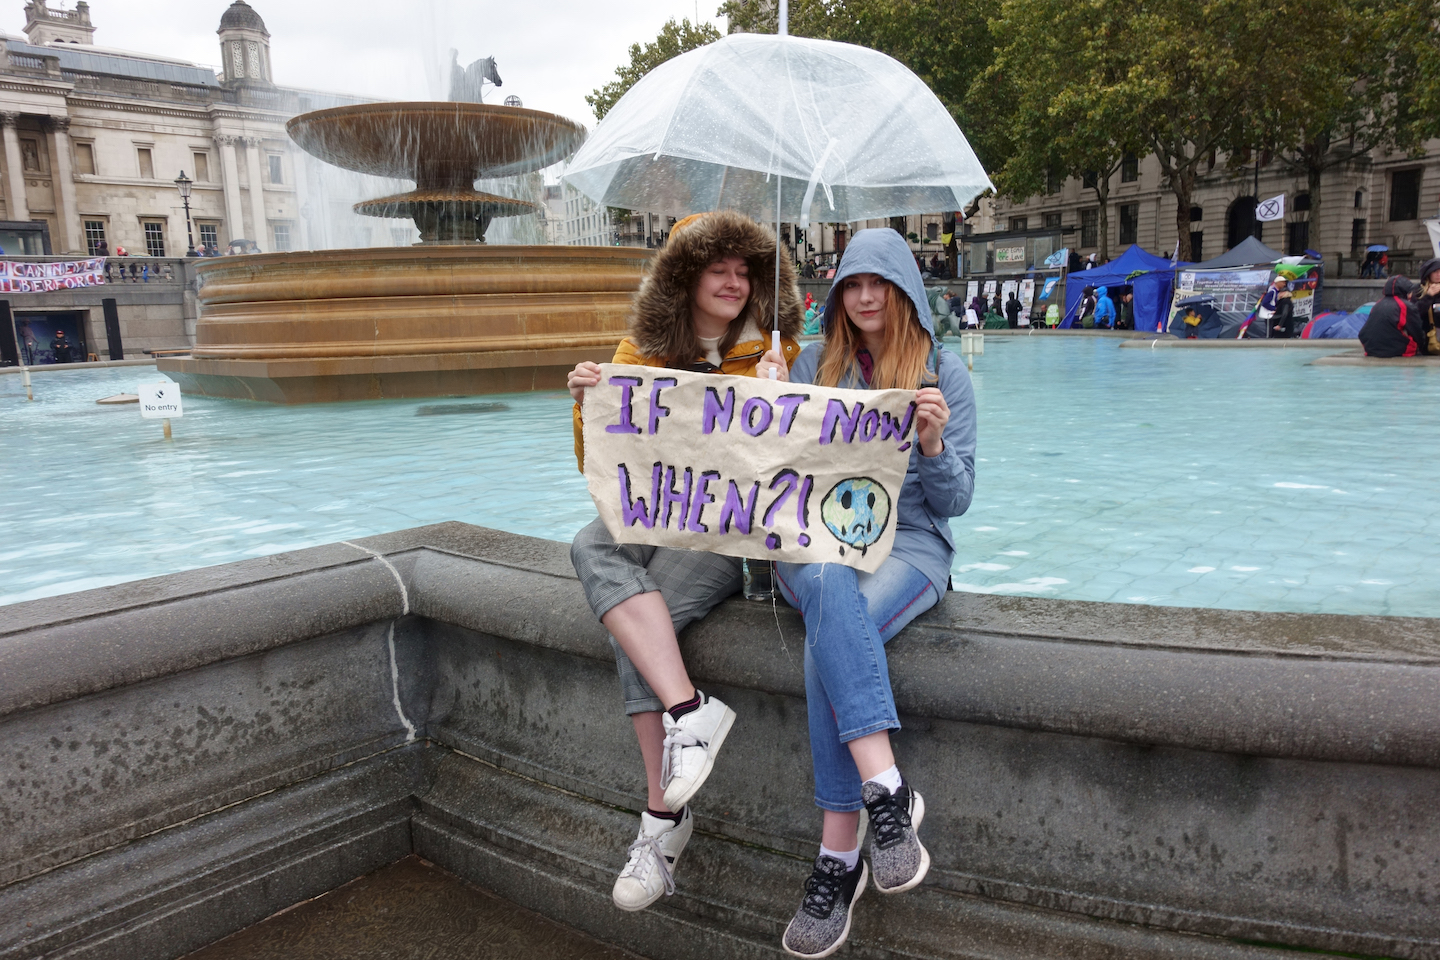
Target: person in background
1395 327
1429 299
977 304
1013 306
61 348
1367 268
1382 265
102 249
1104 309
707 304
1192 324
997 306
1274 311
1125 311
1085 310
120 250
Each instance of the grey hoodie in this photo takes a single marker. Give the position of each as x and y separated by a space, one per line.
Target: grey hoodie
936 488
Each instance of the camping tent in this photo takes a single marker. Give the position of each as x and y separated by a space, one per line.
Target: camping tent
1247 253
1152 287
1236 280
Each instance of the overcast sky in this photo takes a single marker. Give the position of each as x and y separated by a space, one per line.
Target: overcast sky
549 54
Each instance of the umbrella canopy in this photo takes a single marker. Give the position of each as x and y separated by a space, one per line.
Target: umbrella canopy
1377 248
851 133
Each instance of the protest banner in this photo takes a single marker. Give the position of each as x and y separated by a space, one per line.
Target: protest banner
21 276
747 467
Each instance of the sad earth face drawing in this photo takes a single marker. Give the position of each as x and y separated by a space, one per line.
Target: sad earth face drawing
856 511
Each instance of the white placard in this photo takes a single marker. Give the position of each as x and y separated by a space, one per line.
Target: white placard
160 400
747 467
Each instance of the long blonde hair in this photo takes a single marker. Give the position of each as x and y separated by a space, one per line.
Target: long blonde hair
902 364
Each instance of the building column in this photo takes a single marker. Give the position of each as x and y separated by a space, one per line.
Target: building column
302 201
230 182
16 206
257 193
72 238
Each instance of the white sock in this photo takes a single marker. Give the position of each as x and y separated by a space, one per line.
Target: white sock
847 857
889 779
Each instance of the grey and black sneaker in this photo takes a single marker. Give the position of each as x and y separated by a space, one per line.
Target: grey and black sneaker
897 859
822 923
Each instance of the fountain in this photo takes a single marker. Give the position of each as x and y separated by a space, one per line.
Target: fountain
450 315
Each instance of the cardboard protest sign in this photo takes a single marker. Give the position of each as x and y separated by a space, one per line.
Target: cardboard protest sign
747 467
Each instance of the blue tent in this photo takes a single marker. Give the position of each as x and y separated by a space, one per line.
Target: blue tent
1152 287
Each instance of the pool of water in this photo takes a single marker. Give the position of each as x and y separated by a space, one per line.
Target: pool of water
1244 479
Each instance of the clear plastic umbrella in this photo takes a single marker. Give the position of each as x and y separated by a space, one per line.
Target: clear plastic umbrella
851 133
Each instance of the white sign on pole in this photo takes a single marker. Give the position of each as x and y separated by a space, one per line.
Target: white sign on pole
1272 209
160 400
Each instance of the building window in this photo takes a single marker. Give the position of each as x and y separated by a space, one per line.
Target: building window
282 236
30 156
1052 181
209 235
1018 224
1197 244
1129 223
1052 221
1405 195
932 231
1090 228
1357 236
147 163
1129 168
1196 214
276 174
1302 202
1359 199
154 239
1088 179
1297 238
202 167
94 236
85 159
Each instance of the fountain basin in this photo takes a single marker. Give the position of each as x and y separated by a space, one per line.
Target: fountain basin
405 322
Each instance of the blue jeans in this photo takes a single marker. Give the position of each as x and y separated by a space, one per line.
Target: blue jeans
849 617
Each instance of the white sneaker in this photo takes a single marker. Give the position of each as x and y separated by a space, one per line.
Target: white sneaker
690 747
650 871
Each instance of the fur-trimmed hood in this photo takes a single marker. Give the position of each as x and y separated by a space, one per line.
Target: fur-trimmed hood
660 320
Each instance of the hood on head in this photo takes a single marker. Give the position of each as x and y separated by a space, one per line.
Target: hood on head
1429 267
1102 291
660 321
1398 286
884 252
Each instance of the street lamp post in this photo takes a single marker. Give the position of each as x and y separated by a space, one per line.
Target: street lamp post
182 183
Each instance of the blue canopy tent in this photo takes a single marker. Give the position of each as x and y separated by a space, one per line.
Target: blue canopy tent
1152 287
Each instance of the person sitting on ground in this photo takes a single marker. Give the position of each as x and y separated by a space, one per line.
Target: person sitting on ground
1192 323
1395 327
707 304
879 337
1104 309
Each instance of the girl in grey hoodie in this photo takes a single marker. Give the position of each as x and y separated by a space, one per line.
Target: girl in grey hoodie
878 334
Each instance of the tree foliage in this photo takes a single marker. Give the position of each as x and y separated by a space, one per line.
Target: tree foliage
674 39
944 42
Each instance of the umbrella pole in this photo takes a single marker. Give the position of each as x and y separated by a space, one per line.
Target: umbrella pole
783 29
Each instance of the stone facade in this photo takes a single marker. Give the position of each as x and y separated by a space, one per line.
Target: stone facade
1380 199
94 139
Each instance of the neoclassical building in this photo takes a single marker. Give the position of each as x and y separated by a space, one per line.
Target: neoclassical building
94 139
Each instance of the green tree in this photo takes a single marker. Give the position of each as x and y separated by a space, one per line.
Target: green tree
674 39
1181 80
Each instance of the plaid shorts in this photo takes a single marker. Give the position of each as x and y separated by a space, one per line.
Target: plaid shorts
691 581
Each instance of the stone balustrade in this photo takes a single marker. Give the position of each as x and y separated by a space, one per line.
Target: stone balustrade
188 754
